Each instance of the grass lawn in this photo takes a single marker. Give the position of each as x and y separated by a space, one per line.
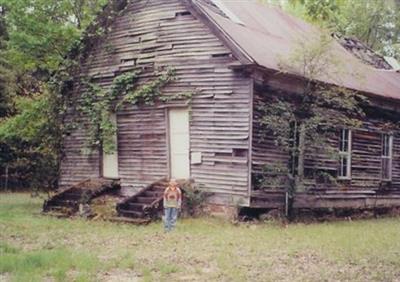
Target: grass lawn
40 248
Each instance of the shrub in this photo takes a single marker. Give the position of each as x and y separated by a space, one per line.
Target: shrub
194 197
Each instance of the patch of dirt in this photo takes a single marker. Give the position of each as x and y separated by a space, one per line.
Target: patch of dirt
93 184
5 277
104 207
394 212
118 275
275 215
189 278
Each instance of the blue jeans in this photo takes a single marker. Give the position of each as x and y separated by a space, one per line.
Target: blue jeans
170 218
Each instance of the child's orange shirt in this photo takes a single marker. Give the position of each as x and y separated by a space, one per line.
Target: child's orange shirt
172 197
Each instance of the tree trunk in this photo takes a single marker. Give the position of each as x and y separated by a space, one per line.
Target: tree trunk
296 179
6 179
301 153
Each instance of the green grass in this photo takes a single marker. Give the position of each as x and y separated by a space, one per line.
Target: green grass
37 248
33 265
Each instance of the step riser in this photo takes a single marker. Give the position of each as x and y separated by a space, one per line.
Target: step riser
135 207
68 200
158 188
129 215
152 194
63 203
132 214
72 196
145 200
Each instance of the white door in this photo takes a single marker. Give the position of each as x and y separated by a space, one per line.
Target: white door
110 160
179 143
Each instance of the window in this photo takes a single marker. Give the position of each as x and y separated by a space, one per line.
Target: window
387 148
345 154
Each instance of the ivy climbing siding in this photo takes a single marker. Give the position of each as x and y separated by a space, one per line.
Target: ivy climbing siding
153 36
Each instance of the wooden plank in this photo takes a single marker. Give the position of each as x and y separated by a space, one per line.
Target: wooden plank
220 111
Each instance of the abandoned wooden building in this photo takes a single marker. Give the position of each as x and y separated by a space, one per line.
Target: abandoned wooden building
227 55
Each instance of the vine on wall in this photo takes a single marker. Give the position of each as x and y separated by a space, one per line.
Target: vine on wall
98 104
149 93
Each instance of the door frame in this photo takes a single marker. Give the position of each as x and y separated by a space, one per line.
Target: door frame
168 137
101 154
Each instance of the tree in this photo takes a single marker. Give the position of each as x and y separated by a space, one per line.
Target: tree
6 77
82 11
35 37
40 34
28 142
303 125
376 23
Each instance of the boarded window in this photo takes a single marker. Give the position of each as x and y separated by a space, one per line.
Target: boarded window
387 153
345 154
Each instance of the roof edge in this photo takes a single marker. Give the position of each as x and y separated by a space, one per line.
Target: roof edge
243 57
265 70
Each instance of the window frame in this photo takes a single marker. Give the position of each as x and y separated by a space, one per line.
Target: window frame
388 157
345 154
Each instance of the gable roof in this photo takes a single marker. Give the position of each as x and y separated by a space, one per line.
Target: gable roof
265 35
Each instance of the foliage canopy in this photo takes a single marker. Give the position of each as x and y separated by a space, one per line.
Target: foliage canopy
376 23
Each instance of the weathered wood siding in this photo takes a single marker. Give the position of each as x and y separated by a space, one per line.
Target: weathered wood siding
142 147
77 163
152 36
265 150
366 159
366 155
396 161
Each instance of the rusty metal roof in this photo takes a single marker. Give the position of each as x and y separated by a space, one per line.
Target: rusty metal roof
363 52
266 35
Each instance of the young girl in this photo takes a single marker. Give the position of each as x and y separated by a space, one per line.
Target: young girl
172 204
